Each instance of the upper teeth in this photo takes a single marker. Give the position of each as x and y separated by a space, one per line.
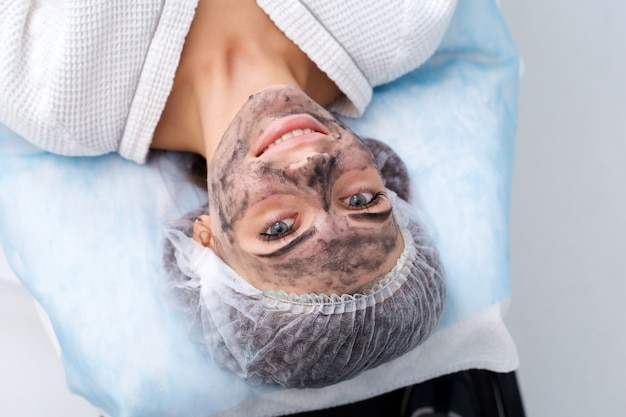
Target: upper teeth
292 134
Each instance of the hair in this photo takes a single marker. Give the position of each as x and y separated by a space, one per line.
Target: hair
310 340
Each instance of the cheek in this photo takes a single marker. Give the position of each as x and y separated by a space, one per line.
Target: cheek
228 207
354 156
231 192
246 265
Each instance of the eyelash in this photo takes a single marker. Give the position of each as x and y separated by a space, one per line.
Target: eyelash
376 198
267 237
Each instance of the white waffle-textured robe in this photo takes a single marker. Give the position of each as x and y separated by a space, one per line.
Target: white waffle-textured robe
89 77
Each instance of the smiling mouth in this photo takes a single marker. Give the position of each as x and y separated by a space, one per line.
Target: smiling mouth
290 131
289 135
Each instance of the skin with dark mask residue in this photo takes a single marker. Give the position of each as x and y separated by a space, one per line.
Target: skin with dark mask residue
306 214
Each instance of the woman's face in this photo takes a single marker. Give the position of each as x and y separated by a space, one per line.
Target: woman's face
296 201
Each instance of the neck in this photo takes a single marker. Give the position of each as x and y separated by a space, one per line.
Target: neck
232 50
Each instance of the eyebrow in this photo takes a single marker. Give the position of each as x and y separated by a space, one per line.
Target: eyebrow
289 246
361 217
373 217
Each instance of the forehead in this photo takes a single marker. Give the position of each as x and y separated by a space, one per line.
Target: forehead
336 257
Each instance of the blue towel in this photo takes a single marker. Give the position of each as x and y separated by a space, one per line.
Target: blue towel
84 235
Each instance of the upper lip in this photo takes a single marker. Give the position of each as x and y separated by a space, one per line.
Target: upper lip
277 128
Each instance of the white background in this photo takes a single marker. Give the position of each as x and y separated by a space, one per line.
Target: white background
568 219
568 228
32 383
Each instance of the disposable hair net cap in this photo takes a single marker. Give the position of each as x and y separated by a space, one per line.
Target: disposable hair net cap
311 340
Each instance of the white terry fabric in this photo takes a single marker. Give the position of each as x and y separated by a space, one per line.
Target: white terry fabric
89 77
361 44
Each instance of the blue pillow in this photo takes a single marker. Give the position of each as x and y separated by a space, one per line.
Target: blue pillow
84 236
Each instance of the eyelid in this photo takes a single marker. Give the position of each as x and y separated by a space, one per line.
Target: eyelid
267 237
377 197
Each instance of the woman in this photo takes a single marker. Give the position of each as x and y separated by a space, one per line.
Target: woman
296 202
304 270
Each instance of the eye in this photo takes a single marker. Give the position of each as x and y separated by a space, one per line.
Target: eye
362 200
359 200
278 229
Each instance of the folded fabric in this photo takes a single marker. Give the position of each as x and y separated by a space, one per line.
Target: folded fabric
84 236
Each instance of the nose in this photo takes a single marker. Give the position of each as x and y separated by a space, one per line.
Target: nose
314 172
315 161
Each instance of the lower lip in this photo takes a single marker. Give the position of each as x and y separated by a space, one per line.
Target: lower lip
279 127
